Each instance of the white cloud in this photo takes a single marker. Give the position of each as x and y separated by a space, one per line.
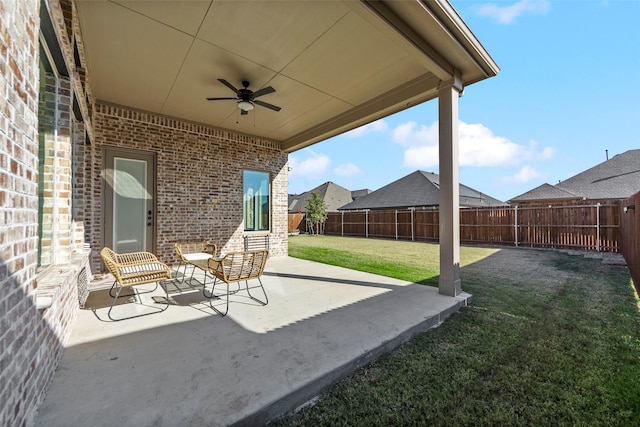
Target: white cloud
508 14
315 165
478 146
347 170
523 176
407 135
377 126
547 153
421 144
421 157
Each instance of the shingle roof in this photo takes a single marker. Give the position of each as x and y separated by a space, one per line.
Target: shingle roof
417 189
333 195
616 178
546 192
356 194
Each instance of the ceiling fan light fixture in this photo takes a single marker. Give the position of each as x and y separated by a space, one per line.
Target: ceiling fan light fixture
245 105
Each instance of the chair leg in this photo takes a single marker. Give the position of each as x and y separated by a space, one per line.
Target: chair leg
212 295
115 299
134 290
266 298
178 271
204 289
193 270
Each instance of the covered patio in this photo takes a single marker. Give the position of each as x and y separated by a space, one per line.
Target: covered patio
188 366
107 123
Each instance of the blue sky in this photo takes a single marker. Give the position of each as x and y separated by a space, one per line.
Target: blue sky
568 89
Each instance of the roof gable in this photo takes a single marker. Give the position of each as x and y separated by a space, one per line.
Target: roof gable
333 195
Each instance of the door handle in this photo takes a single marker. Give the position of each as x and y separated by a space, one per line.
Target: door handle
149 218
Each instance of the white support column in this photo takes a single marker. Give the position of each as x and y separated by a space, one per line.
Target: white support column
448 94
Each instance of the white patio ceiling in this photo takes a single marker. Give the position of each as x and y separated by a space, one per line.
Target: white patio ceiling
335 65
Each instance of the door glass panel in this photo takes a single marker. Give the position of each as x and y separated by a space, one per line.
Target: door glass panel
129 205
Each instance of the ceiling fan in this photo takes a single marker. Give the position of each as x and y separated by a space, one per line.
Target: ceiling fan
247 98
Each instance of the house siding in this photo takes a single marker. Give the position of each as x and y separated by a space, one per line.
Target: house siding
38 307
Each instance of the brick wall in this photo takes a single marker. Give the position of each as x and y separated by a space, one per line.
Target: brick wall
37 308
193 161
19 323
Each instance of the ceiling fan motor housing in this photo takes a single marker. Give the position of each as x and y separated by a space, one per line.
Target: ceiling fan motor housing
245 94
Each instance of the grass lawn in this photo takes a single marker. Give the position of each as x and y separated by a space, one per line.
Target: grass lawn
551 339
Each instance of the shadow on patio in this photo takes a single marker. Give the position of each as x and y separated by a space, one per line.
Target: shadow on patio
188 366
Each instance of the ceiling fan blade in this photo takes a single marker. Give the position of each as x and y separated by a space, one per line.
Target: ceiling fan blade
263 91
269 106
229 85
219 99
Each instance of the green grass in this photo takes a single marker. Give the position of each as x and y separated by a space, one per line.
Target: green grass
550 340
411 261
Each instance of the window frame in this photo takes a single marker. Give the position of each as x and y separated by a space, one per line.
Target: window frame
257 217
47 226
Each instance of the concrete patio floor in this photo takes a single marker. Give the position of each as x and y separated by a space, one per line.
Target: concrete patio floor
188 366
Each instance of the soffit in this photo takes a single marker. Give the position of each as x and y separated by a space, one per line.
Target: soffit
335 65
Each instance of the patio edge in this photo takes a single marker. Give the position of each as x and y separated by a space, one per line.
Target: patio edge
298 398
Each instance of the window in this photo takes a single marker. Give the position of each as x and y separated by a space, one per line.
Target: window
256 200
46 152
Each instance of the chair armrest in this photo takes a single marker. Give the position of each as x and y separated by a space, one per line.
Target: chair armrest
215 263
210 248
216 267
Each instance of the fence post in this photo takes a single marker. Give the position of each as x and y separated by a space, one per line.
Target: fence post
598 227
396 224
412 209
342 224
516 224
366 223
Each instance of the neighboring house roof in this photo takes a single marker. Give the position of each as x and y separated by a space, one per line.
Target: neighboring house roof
616 178
417 189
546 192
356 194
333 195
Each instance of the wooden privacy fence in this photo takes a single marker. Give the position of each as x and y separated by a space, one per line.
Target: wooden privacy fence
630 237
297 223
592 227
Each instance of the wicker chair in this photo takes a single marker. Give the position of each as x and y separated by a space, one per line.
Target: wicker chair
236 267
194 254
131 269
